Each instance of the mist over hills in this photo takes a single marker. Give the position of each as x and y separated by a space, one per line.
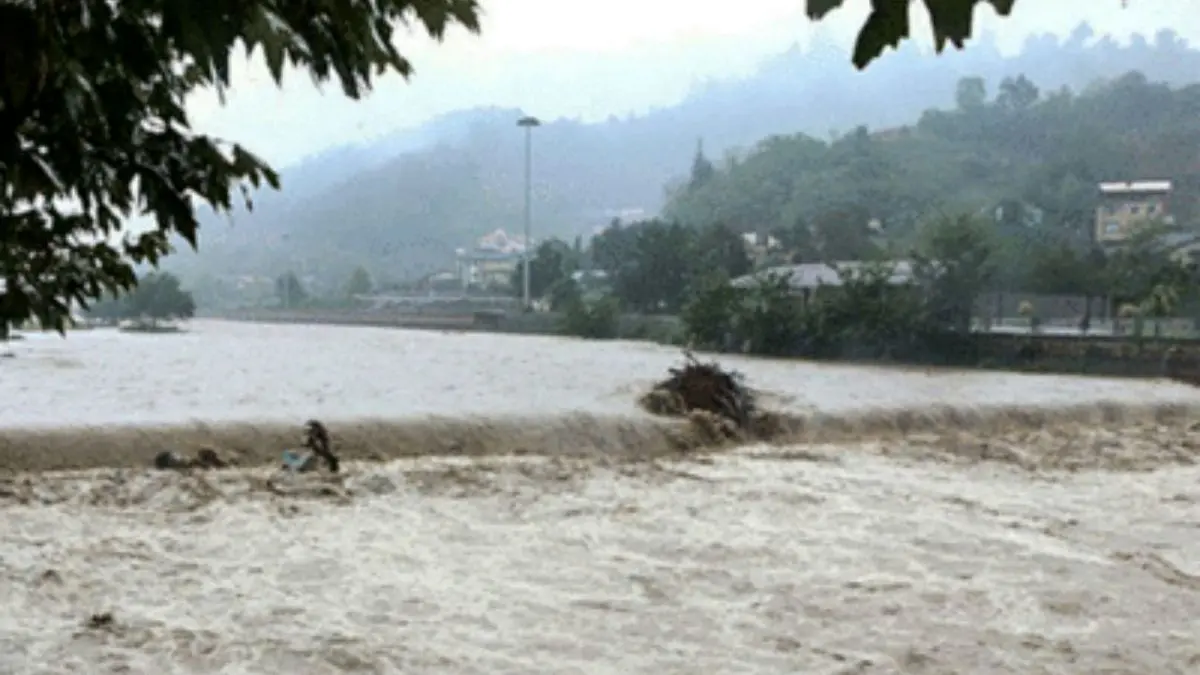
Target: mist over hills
402 204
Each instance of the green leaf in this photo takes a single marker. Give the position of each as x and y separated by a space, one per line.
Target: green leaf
885 27
1003 7
817 9
951 21
274 36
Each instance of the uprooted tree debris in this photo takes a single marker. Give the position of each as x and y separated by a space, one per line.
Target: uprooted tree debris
715 399
316 440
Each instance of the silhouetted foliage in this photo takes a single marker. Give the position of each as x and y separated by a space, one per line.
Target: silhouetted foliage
92 114
888 23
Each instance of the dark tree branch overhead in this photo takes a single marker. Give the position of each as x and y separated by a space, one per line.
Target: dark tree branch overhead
93 129
888 24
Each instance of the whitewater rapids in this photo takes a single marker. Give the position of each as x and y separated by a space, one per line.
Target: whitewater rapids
1008 541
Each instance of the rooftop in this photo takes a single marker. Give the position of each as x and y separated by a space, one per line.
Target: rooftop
1178 240
481 255
580 275
812 275
499 240
1134 187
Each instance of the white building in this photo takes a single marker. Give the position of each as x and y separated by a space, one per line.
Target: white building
491 261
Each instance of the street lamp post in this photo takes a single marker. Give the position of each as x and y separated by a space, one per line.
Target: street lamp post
288 275
528 123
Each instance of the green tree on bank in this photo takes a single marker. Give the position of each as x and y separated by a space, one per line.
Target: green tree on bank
657 267
876 309
923 311
955 262
158 296
289 291
551 265
360 282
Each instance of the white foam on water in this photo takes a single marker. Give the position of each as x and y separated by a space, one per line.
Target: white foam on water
737 564
942 553
239 371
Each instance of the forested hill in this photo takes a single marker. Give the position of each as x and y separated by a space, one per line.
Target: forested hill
1041 153
404 214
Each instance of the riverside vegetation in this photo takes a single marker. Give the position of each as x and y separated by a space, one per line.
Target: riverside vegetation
921 312
405 217
993 196
999 190
95 112
157 297
1016 169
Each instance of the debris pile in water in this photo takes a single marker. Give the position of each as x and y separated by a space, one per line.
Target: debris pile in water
206 458
716 400
316 440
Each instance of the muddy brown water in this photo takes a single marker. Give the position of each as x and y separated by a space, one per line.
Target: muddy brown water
929 522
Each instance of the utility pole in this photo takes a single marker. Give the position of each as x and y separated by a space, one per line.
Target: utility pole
286 279
528 123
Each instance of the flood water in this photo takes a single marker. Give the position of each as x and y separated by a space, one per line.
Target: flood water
232 371
1064 550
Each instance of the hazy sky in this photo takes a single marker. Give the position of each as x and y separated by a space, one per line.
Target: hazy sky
593 58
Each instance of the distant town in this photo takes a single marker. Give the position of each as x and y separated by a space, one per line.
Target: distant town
486 267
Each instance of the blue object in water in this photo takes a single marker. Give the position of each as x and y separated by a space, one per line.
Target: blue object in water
296 460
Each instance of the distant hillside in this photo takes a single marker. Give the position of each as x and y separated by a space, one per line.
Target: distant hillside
1000 150
401 206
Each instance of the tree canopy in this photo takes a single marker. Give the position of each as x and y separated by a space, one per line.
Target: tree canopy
650 266
93 129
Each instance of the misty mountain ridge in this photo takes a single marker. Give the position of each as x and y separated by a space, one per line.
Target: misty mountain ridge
402 204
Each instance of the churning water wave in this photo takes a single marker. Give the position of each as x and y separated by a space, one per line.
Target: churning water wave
509 509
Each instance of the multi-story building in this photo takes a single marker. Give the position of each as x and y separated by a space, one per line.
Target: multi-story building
491 262
1125 207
